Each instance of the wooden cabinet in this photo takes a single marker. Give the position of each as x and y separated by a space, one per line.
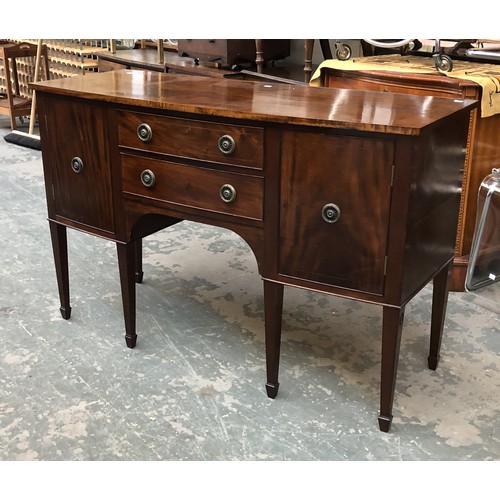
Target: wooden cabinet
360 203
483 146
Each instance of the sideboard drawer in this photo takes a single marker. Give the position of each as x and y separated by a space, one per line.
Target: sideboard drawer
201 188
207 141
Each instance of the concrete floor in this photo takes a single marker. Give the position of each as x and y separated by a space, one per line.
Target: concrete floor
193 388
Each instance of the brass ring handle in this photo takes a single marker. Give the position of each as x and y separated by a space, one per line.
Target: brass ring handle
330 213
144 132
227 193
77 165
226 144
148 178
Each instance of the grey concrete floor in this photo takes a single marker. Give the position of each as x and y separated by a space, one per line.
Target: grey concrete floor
193 388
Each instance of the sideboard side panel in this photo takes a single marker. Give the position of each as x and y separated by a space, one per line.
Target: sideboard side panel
437 158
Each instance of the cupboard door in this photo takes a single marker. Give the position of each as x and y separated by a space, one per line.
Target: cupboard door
334 209
80 164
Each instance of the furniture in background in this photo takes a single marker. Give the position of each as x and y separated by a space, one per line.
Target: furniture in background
227 53
221 58
69 57
147 59
17 65
359 203
393 74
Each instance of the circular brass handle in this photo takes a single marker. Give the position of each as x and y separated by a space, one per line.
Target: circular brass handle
148 178
144 132
77 165
227 193
330 213
226 144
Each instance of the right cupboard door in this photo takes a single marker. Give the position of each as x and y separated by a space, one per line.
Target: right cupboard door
334 209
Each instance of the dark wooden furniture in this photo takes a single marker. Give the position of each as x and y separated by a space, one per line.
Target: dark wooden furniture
483 144
344 192
227 53
14 102
280 71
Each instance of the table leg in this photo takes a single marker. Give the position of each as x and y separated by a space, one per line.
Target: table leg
259 56
273 311
308 54
58 234
440 292
392 326
126 264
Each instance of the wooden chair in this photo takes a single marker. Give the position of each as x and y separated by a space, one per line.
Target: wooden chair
16 101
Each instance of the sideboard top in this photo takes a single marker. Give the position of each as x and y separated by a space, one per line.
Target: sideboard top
262 101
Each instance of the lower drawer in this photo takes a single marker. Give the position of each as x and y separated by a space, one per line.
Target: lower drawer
194 187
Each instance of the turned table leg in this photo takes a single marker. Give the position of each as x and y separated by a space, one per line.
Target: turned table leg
58 234
440 294
308 54
127 267
259 56
392 325
273 310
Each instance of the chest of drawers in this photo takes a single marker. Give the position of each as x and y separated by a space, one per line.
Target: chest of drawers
354 194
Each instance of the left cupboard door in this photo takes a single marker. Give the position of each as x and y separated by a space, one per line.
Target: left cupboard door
75 147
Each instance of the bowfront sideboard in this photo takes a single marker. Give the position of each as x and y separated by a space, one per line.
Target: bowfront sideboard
344 192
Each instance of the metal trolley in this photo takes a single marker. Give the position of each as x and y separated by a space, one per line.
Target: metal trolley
442 61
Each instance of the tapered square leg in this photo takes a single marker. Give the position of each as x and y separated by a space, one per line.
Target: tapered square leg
440 292
392 326
58 235
273 310
127 267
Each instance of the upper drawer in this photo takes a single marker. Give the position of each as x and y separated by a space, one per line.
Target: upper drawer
207 141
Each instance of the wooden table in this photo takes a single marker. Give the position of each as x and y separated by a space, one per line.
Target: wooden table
350 193
148 60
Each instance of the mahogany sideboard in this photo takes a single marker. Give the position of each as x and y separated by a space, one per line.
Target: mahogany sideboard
483 144
349 193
